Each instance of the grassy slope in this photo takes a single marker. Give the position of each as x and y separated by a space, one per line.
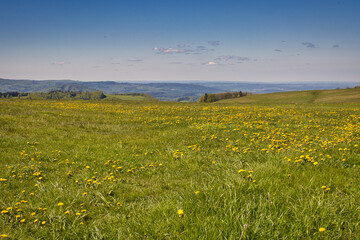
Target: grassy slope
127 97
314 96
122 170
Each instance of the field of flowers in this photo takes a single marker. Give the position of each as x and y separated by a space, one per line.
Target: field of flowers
142 170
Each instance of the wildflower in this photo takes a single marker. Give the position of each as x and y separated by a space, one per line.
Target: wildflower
60 204
3 179
43 222
197 192
36 220
323 187
22 220
85 193
4 211
180 213
322 229
242 170
3 235
67 212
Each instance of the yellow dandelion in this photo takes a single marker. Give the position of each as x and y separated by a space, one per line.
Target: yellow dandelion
322 229
180 213
22 220
242 170
43 222
60 204
67 212
197 192
3 235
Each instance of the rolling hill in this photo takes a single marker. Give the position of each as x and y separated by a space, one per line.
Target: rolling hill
349 95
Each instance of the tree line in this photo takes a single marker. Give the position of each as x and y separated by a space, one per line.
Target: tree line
213 97
55 95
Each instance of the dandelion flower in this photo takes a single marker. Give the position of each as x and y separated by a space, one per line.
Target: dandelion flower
60 204
197 192
180 212
322 229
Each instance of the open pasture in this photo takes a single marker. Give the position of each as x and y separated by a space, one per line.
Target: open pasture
155 170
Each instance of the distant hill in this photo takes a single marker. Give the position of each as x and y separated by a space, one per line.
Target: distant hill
169 91
350 95
161 91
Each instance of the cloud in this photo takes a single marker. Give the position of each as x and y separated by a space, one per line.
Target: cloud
228 60
214 43
309 45
115 63
60 63
231 59
277 50
181 49
168 50
176 63
335 45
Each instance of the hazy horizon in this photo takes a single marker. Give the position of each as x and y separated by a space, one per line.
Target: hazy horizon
155 41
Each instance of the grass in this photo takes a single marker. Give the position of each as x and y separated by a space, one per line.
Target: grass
350 95
130 97
123 170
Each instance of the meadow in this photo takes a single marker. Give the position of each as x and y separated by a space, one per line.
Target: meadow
77 169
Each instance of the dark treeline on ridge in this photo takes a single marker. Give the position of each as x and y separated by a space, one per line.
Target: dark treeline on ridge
55 95
213 97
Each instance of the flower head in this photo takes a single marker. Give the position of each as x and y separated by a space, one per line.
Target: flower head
180 213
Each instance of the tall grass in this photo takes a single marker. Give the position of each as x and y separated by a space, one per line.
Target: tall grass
123 170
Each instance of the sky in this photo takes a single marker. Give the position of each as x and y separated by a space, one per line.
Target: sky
168 40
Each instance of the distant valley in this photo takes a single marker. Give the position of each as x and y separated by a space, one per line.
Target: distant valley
167 91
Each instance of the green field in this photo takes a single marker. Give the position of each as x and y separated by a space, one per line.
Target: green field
155 170
350 95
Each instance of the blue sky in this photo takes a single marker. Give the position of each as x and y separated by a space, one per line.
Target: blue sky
243 40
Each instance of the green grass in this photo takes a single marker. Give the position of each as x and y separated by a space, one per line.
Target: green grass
130 97
123 169
351 95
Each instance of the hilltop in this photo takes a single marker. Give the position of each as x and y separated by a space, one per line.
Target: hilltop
349 95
